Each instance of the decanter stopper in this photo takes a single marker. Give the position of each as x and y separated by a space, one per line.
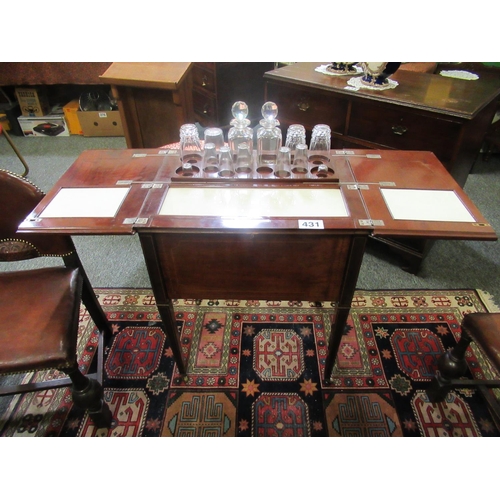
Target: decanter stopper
239 111
269 114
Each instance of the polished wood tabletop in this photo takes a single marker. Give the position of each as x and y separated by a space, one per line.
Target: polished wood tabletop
414 170
109 168
359 174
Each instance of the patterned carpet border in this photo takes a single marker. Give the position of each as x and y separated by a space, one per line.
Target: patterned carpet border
255 369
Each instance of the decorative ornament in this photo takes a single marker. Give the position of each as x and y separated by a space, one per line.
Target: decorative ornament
376 74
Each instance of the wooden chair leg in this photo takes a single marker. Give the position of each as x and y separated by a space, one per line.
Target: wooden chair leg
89 298
19 155
451 365
88 394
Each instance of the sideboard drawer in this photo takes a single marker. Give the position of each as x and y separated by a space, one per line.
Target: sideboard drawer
308 107
203 77
401 129
205 108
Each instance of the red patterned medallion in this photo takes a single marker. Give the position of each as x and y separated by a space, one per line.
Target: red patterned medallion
129 408
136 353
280 415
417 351
278 355
452 417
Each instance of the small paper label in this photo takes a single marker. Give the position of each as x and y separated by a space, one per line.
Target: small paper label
311 224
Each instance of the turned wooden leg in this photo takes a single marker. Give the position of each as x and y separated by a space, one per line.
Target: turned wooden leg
88 394
451 365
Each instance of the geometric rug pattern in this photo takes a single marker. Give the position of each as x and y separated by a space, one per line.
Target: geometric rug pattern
255 368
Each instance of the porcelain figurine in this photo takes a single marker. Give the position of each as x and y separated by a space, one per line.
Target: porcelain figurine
377 73
342 68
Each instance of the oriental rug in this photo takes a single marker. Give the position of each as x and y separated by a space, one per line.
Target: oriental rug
255 369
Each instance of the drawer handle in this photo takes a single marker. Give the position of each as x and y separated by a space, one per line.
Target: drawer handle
399 129
303 105
204 80
206 109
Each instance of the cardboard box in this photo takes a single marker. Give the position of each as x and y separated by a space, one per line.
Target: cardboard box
12 111
44 126
71 116
4 121
100 123
33 101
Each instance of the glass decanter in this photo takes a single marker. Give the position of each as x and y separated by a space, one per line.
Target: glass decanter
240 132
269 139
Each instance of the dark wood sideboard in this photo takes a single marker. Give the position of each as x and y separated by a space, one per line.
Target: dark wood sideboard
425 112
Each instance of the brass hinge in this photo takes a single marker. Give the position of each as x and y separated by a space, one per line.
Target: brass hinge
371 222
136 220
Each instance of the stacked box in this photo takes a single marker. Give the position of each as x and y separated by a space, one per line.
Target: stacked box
33 101
100 123
44 126
4 121
71 116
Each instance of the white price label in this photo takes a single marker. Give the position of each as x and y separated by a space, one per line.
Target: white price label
311 224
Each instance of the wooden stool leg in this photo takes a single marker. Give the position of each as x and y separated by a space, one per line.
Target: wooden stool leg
451 365
88 394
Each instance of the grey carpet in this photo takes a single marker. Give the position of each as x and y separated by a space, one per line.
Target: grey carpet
450 264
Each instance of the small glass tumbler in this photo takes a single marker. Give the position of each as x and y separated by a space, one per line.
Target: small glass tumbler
319 149
296 134
226 164
243 159
322 171
190 145
300 164
187 170
283 168
320 138
215 136
210 158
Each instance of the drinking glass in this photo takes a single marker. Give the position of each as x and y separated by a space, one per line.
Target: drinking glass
187 170
320 138
226 165
215 136
300 163
243 159
283 168
296 134
190 145
319 149
210 158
